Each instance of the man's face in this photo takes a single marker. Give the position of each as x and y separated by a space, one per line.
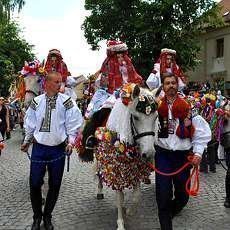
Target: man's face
1 101
53 83
170 86
169 59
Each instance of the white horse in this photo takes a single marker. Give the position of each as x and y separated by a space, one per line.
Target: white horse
33 88
134 124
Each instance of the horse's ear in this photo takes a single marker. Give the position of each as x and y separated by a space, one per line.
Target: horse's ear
43 63
136 91
156 92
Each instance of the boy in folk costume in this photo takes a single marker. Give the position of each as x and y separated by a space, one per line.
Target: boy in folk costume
55 63
165 64
180 131
116 70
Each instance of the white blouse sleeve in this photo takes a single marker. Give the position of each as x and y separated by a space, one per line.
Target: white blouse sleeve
73 122
201 136
29 124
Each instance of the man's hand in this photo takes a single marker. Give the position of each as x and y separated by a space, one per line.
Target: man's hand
69 148
25 147
196 160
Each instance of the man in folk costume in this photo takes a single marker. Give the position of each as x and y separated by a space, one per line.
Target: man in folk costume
180 133
165 64
55 63
116 70
51 122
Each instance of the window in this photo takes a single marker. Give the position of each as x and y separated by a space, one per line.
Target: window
220 47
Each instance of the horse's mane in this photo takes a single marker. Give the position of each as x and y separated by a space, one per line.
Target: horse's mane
119 122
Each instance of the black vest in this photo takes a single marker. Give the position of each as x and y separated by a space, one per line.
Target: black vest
3 118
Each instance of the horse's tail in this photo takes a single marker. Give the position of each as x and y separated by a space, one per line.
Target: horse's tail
89 142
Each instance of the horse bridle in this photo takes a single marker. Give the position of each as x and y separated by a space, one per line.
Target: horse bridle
135 133
32 92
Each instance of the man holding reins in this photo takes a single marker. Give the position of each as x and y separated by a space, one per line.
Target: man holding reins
180 132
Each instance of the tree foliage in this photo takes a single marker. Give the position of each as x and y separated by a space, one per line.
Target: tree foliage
150 25
14 50
9 6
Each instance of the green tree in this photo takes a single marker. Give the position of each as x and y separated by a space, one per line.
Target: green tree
9 6
14 50
147 26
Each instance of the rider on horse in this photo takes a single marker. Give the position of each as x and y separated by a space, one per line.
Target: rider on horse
165 64
117 69
55 63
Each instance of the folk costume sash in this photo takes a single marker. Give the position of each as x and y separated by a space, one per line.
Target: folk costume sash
180 109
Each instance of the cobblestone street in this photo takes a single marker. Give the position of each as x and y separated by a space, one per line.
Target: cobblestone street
78 208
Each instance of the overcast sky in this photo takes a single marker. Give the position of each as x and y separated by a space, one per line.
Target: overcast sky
49 24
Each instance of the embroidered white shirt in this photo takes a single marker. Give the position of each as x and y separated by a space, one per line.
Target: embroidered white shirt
54 125
201 137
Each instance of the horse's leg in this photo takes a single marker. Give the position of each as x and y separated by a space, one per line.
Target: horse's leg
45 188
100 194
136 194
120 204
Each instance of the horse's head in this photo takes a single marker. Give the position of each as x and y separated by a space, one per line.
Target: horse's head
33 74
143 109
133 118
32 88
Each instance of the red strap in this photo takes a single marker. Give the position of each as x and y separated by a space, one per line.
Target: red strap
195 182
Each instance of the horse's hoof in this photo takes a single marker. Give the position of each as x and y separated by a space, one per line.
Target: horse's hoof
100 196
131 211
120 224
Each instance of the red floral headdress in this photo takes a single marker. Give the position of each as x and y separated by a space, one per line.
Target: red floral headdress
110 66
58 65
176 70
30 68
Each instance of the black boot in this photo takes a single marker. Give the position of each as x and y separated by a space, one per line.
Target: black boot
227 203
227 189
48 224
36 224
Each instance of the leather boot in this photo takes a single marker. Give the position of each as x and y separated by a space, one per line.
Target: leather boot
48 224
36 224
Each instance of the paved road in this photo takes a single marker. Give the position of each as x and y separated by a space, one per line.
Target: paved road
78 209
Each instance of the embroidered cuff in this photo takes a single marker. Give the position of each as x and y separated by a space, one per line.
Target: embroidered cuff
198 149
71 139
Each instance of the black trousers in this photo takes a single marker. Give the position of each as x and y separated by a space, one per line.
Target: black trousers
209 157
37 172
227 178
171 195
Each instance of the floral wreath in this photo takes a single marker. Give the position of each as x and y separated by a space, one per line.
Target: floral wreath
120 166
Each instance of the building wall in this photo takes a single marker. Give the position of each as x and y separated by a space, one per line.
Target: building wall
210 66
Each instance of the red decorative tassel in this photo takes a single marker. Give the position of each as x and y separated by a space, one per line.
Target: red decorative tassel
181 110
